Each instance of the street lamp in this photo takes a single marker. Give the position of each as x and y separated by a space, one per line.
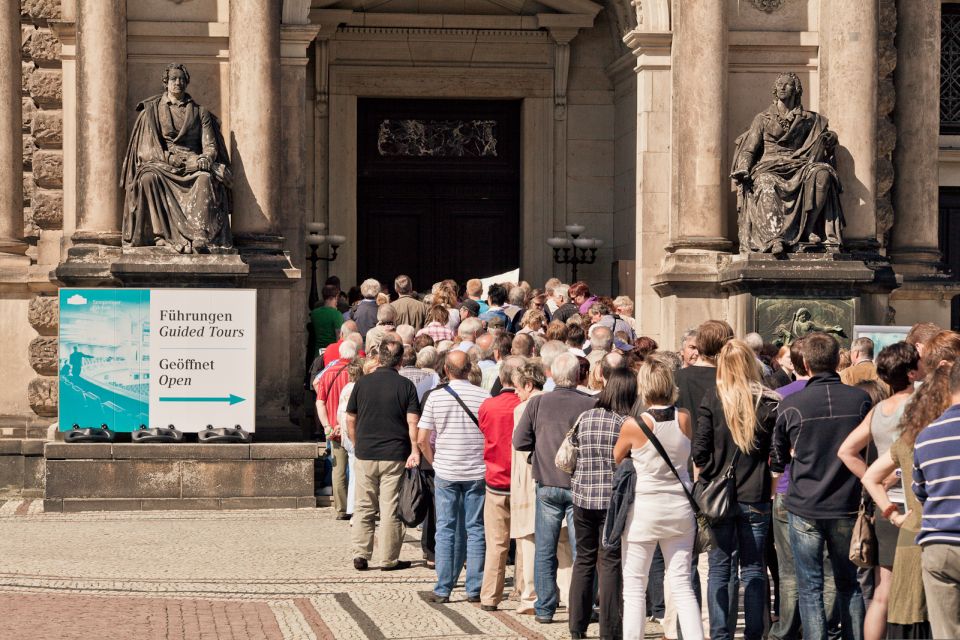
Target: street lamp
315 238
575 250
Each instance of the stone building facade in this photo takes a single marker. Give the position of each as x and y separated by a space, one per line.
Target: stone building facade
623 112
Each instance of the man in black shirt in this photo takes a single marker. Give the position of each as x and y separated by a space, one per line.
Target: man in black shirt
382 416
824 495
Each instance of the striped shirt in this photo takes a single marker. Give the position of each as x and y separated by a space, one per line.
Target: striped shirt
936 479
458 453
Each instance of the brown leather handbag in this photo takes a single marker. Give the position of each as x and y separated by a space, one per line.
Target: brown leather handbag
863 542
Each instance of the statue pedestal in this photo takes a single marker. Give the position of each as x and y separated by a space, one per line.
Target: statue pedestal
158 267
766 292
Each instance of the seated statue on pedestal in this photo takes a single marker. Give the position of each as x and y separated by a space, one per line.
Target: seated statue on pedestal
787 186
176 174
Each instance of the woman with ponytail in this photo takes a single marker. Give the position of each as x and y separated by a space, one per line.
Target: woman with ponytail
906 613
734 429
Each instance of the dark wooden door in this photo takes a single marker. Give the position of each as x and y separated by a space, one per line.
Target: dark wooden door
438 189
950 242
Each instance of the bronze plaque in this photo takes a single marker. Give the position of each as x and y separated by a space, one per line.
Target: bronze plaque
782 320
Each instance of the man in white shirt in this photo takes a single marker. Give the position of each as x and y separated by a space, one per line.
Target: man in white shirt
457 458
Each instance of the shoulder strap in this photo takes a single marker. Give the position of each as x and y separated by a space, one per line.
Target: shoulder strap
462 404
663 454
333 378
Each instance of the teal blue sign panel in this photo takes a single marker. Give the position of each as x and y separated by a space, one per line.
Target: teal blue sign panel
104 357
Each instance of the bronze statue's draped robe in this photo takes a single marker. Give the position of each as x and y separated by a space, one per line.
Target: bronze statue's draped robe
183 208
795 188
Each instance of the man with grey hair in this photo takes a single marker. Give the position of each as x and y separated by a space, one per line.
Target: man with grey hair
565 308
541 429
862 367
688 348
550 291
386 323
332 352
601 341
468 331
516 300
755 341
548 353
423 379
409 310
365 314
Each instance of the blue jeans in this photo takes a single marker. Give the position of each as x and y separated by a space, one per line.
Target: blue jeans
553 505
456 503
746 533
808 539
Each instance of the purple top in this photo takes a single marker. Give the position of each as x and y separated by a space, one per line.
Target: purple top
587 304
785 391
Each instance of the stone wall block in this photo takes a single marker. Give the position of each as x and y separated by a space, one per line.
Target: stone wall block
885 215
28 150
47 128
43 355
888 17
886 137
30 229
46 87
41 9
27 188
26 71
26 110
886 96
887 58
42 46
48 168
44 315
884 175
42 394
48 209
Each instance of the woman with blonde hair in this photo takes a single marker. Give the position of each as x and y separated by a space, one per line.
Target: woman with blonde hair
734 432
661 512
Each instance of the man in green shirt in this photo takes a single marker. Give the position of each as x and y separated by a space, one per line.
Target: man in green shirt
326 320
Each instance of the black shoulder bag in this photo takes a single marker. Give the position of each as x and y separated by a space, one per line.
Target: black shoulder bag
703 541
462 404
717 498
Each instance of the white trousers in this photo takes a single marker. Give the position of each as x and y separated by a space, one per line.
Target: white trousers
670 611
677 556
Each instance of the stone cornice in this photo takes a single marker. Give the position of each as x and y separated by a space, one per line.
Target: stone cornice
479 34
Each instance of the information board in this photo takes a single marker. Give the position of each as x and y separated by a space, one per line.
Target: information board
157 357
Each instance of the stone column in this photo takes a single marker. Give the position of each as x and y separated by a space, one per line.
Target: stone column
255 117
914 242
101 121
849 102
700 170
11 167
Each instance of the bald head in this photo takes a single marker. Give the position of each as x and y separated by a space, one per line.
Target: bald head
484 343
457 365
348 327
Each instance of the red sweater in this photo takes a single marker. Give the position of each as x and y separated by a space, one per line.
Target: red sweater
496 423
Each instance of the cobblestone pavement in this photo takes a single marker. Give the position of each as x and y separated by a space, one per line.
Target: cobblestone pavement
284 574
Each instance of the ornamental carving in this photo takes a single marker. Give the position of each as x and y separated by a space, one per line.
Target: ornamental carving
437 138
768 6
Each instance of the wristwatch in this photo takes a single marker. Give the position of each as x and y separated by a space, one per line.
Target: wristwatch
890 510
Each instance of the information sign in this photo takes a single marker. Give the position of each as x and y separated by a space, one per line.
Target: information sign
157 357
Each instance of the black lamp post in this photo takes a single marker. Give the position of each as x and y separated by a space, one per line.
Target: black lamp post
574 250
314 240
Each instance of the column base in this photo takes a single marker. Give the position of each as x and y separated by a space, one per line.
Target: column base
12 247
917 262
269 264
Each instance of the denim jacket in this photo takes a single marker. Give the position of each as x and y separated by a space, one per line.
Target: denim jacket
621 501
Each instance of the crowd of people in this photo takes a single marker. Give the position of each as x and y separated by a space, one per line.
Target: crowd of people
632 483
